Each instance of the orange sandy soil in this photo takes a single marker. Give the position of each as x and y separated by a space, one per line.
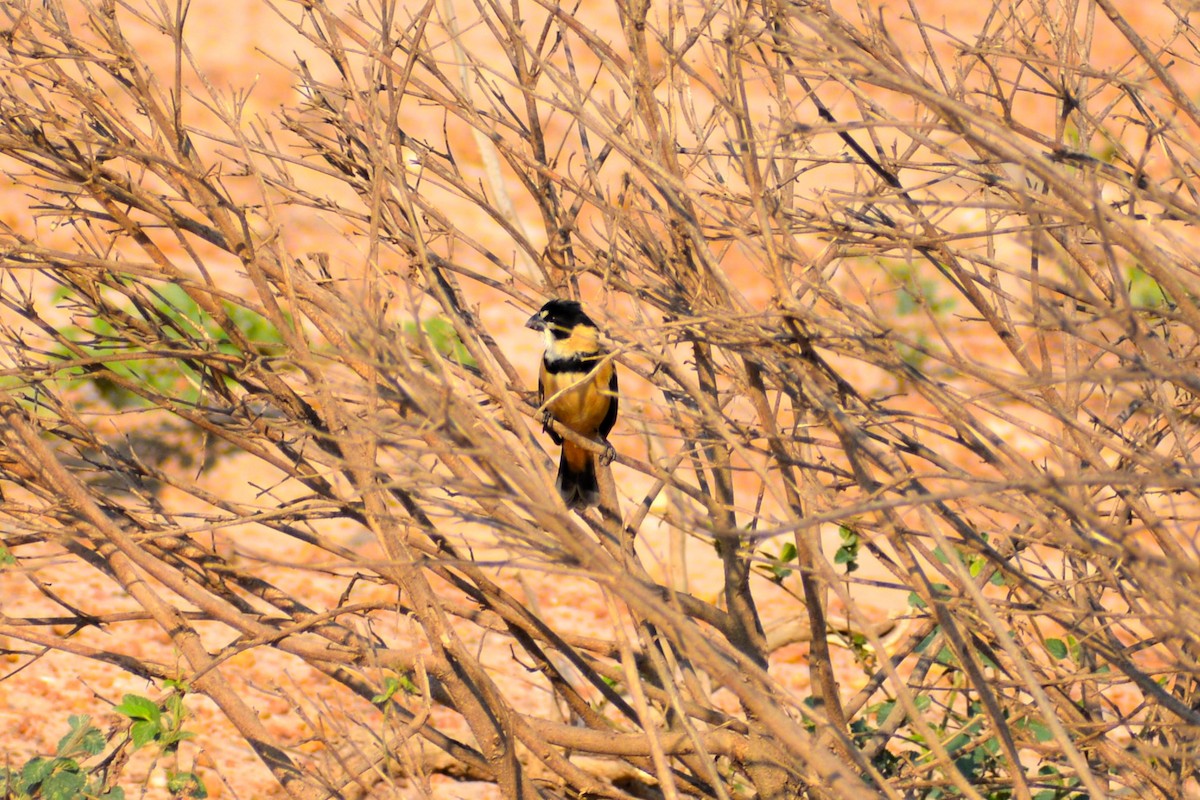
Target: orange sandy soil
38 694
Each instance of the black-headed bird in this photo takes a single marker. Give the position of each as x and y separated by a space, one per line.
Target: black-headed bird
577 384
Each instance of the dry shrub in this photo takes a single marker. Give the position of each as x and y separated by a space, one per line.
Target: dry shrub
863 274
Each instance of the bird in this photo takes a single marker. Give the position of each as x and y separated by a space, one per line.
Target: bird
577 386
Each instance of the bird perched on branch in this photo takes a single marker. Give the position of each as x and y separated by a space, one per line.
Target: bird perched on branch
577 385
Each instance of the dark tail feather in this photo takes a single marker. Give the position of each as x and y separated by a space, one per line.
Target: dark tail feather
577 485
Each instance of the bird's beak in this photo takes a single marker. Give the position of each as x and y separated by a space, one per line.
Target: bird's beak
536 322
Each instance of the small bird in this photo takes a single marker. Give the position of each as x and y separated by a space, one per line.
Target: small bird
578 386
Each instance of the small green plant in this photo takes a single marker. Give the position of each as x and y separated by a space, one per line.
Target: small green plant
779 564
444 339
62 776
392 685
1144 291
186 784
1057 648
161 724
1056 785
176 319
847 553
918 293
974 563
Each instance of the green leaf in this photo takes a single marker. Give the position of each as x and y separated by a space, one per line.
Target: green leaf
390 687
63 785
957 743
786 555
928 640
444 339
848 553
144 731
83 738
1144 290
137 707
34 772
1040 731
174 707
1056 648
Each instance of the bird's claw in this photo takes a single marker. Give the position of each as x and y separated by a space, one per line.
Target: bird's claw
608 455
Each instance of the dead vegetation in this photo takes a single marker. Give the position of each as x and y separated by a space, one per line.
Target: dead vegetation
940 296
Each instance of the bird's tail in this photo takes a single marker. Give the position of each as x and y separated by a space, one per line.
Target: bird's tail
577 482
